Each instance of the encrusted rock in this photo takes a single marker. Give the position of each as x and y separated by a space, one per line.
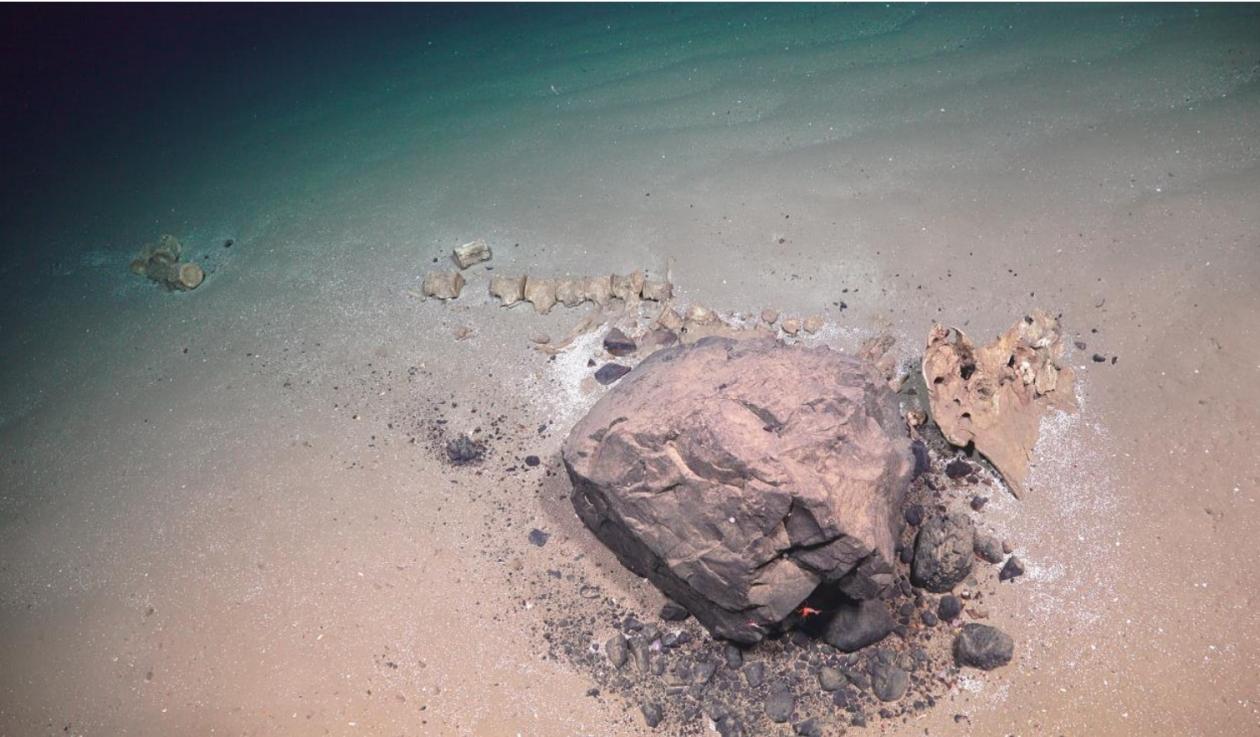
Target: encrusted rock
994 396
813 324
943 552
738 476
984 647
791 325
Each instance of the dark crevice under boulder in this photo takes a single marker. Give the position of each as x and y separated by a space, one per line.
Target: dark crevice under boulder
740 476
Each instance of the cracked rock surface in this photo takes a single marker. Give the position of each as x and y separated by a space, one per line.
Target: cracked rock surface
739 476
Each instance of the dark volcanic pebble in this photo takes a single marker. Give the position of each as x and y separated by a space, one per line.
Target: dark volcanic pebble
888 680
858 720
914 515
958 468
922 461
532 460
755 674
988 548
610 372
672 612
463 450
780 704
704 671
651 714
949 608
618 343
809 728
978 502
856 625
830 679
1099 358
734 657
538 537
617 650
984 647
929 618
1012 569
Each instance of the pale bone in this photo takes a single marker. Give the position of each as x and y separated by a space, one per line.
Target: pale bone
509 289
443 284
569 292
471 253
541 293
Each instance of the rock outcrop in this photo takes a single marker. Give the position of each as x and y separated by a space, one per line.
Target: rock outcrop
739 476
994 395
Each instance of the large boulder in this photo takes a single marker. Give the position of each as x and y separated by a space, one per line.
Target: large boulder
738 476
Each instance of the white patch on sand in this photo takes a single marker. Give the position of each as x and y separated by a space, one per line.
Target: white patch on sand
562 390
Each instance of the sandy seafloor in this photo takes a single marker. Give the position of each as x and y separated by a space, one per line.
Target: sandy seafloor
208 526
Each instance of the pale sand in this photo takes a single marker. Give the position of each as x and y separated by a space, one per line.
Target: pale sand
210 543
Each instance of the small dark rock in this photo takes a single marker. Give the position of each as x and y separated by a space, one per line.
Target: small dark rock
728 726
532 461
888 680
858 720
922 462
651 714
704 671
611 372
914 515
988 548
1080 345
1099 358
592 692
464 450
538 537
229 243
958 468
949 608
858 679
840 698
978 502
674 639
618 343
808 728
672 612
617 650
929 618
830 679
858 624
943 551
780 704
984 647
906 555
905 609
755 674
734 657
1012 569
